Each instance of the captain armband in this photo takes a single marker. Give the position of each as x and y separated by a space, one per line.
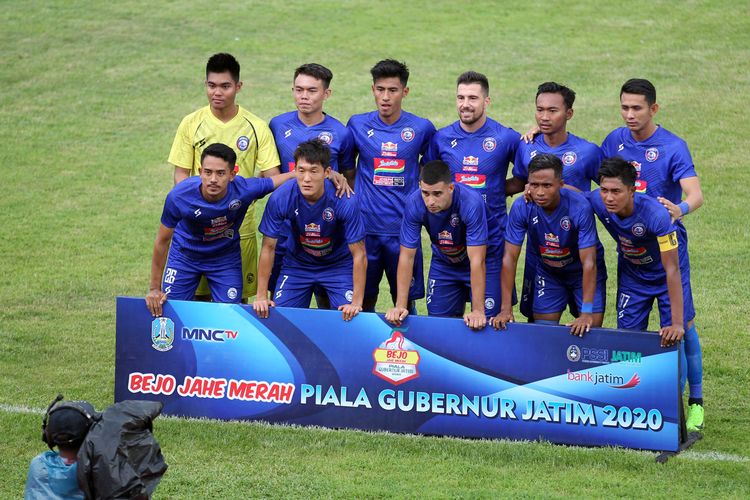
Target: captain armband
668 241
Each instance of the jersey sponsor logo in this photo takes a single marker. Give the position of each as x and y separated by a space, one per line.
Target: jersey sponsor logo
391 166
652 154
312 229
552 239
455 254
532 154
326 137
453 143
370 133
396 359
477 181
569 158
287 133
243 142
470 163
162 334
638 229
197 212
389 149
388 181
445 238
635 254
489 144
407 134
555 257
640 184
316 246
220 228
454 220
291 166
328 214
235 204
620 147
565 223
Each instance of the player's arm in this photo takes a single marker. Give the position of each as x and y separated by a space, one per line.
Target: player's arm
507 281
280 178
342 184
476 319
671 263
404 273
262 303
156 297
582 324
350 175
359 273
180 174
692 202
514 185
270 172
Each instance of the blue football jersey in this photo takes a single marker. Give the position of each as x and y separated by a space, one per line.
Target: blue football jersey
556 237
320 233
661 161
204 229
464 223
637 238
387 166
581 160
289 131
479 159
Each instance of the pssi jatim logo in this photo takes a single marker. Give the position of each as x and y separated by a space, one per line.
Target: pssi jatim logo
396 359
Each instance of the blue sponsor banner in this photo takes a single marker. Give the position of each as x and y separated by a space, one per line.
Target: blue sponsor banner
432 376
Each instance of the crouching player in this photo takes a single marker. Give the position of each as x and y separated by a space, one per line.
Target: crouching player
560 225
466 249
326 246
201 220
649 256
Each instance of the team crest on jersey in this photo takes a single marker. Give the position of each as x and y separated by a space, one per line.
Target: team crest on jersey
243 142
326 137
389 149
328 214
235 204
652 154
489 144
569 158
162 334
639 229
455 219
565 223
407 134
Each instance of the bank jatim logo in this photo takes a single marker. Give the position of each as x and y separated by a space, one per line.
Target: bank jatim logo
396 359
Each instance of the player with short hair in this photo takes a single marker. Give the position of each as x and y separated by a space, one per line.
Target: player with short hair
580 159
649 263
326 245
224 121
465 249
198 235
477 148
665 170
311 88
560 227
389 143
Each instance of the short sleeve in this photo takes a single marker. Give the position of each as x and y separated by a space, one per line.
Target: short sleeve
253 188
268 155
182 153
592 167
584 216
475 218
429 133
171 215
520 169
354 229
272 223
609 148
411 225
681 166
518 222
346 152
433 149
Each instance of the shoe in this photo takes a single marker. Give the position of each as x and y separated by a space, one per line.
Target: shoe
694 420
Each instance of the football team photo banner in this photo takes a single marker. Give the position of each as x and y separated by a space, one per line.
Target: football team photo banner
430 376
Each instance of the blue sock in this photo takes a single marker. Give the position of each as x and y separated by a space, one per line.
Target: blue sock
694 363
683 368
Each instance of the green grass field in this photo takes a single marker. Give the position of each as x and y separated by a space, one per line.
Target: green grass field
93 93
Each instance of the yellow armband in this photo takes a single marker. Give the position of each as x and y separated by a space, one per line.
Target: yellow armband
668 241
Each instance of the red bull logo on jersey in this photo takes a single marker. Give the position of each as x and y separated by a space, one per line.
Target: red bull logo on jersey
640 184
477 181
470 164
445 238
388 149
652 154
396 359
569 158
389 166
312 229
552 239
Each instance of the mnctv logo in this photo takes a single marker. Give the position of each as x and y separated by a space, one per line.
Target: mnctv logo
208 334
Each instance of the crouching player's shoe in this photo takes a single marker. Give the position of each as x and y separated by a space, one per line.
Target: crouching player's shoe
694 421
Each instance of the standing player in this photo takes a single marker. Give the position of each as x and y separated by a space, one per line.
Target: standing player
665 170
326 245
389 142
200 220
580 159
649 262
226 122
310 90
477 148
465 249
561 229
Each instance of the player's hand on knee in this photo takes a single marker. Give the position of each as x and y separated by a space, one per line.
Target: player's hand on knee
476 320
581 325
502 319
262 306
154 301
670 335
349 311
396 315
